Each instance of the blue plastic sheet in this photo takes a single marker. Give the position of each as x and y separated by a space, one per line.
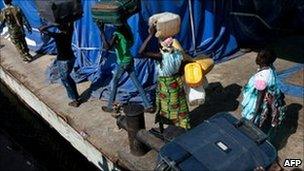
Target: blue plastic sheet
256 21
40 44
204 30
208 27
288 88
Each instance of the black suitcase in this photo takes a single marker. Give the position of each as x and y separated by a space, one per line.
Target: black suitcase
60 11
220 143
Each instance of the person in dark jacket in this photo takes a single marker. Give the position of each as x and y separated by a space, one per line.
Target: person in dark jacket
65 58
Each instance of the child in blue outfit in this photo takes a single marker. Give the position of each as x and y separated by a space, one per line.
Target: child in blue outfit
263 101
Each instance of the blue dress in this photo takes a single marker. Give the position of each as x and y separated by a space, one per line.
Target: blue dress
273 104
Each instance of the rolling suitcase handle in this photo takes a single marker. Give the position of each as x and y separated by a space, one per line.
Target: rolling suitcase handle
251 131
166 165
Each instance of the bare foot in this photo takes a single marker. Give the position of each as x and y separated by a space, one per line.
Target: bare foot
107 109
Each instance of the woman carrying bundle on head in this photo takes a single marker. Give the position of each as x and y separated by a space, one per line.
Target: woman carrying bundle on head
171 98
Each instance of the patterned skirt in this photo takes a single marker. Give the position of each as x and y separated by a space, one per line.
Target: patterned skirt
171 101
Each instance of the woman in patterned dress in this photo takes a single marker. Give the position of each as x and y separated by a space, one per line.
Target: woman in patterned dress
171 98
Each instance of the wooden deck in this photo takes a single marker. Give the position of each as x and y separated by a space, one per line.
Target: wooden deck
105 143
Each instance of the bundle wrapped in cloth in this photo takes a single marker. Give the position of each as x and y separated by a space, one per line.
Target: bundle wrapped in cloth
196 95
114 11
167 24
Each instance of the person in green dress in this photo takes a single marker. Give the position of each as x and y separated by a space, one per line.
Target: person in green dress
122 41
170 98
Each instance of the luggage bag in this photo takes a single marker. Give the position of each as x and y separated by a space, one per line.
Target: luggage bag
60 11
114 11
220 143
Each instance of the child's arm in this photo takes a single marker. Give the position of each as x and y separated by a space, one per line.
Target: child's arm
44 29
143 48
107 45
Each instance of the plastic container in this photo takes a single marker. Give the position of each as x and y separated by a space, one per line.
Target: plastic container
193 74
207 64
196 96
167 24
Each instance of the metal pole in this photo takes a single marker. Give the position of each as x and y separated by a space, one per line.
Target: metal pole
135 121
150 140
193 47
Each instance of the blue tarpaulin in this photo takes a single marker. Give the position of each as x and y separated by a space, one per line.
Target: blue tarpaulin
203 31
288 88
206 29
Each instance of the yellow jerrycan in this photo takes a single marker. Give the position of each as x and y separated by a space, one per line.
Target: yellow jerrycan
193 74
207 64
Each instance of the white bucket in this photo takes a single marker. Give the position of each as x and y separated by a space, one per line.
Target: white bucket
196 96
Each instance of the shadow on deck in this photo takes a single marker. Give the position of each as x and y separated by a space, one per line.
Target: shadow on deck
219 99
